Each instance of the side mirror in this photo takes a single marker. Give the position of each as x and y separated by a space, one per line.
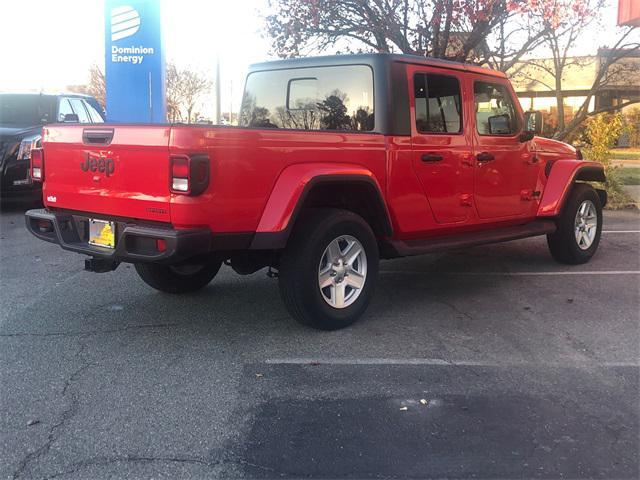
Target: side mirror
533 122
70 118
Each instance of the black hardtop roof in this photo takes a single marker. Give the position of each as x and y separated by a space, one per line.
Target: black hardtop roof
370 58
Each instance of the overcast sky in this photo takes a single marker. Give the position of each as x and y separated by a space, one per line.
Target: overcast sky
49 44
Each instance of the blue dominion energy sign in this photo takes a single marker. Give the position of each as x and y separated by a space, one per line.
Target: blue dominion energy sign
134 62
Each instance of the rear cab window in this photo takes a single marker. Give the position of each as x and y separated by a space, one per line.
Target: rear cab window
78 108
64 108
336 98
496 113
93 113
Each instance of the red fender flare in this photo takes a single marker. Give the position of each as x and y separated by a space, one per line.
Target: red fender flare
290 190
561 177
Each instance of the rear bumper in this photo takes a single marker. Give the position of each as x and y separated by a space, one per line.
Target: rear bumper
134 243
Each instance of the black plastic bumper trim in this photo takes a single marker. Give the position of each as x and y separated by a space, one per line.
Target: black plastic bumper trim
180 244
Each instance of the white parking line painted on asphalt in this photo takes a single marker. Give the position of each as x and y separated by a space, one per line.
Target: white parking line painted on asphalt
515 274
621 231
434 361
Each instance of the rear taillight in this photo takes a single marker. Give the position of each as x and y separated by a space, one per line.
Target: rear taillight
37 164
189 174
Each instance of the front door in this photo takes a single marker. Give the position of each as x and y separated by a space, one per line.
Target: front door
506 170
441 152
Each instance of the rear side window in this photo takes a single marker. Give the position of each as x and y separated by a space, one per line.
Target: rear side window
328 98
495 110
438 106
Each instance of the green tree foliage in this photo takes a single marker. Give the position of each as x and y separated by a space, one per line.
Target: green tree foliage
602 131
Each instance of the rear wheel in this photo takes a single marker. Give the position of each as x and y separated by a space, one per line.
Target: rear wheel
328 271
183 278
579 227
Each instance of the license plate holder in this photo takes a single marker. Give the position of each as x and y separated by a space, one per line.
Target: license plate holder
102 233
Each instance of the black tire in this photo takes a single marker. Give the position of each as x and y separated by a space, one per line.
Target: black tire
301 260
563 244
178 279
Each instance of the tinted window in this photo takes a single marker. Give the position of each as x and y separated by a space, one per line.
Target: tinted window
93 113
64 109
78 109
438 107
25 109
328 98
495 111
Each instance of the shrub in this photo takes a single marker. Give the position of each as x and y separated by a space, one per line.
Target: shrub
633 122
602 132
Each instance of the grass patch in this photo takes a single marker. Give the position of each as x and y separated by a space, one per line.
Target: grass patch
630 176
626 154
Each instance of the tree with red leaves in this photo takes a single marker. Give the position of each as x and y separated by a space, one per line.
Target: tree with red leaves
450 29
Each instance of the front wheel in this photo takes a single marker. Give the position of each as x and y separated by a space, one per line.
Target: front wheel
328 271
184 278
578 227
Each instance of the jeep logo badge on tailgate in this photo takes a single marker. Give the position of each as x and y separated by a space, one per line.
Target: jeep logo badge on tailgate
102 165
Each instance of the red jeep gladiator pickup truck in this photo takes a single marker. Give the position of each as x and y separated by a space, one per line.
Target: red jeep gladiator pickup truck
336 162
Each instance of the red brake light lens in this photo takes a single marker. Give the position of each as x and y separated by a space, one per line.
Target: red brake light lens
37 164
180 167
180 174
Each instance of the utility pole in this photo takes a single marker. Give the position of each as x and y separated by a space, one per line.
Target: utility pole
231 103
218 95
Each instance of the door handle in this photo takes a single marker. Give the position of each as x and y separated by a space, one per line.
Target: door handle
485 157
431 157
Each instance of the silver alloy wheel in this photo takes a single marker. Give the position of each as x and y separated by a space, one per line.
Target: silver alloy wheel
342 272
586 224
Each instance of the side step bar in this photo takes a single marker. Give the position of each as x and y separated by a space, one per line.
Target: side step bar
400 248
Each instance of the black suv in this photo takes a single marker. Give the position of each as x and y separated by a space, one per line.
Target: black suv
22 116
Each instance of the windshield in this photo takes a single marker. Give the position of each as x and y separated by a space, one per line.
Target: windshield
26 109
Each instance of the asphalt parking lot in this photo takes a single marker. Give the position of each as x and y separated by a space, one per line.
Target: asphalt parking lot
493 362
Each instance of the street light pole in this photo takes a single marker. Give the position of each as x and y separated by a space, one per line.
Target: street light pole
218 95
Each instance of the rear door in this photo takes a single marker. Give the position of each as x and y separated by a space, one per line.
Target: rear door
441 146
506 171
117 171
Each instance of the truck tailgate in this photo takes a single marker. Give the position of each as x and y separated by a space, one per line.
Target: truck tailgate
116 170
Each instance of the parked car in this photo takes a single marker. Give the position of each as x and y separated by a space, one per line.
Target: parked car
337 162
22 116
